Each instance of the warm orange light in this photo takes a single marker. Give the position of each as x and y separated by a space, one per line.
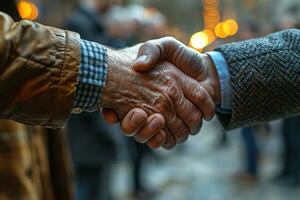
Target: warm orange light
27 10
199 40
230 27
210 34
35 12
219 31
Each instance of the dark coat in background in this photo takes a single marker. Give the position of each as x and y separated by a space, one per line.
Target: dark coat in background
88 133
94 143
291 139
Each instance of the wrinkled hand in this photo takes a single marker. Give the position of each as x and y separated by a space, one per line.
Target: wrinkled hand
194 64
163 89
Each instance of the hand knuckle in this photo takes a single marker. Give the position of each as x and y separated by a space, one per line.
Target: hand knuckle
180 102
170 38
181 134
148 44
196 119
172 90
163 105
200 95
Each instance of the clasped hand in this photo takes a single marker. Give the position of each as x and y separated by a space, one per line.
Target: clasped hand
160 90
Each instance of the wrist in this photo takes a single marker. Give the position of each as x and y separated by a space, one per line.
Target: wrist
114 69
121 78
213 78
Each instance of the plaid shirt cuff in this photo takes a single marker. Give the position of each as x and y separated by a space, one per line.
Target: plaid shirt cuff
92 76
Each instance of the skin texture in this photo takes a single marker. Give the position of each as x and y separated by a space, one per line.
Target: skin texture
196 65
199 66
163 89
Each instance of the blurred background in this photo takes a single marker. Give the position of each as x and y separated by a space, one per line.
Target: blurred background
261 162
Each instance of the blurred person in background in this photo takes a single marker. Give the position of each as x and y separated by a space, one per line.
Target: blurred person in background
89 20
251 154
88 133
134 24
107 22
122 22
250 139
154 24
131 24
290 172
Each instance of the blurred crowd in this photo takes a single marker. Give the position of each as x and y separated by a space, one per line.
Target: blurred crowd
48 164
116 25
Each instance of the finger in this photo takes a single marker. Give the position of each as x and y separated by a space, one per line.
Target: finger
154 124
199 96
170 142
157 140
178 129
109 116
189 113
148 55
186 116
195 133
133 121
168 48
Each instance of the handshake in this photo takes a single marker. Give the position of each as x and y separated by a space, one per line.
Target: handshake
160 91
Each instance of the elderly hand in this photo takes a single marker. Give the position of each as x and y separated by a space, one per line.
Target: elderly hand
199 66
163 89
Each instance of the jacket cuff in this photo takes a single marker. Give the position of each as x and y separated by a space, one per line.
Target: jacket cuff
67 81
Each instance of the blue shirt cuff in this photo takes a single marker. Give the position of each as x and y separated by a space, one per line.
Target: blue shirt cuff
92 76
224 78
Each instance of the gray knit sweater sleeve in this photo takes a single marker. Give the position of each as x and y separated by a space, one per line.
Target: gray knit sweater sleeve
265 78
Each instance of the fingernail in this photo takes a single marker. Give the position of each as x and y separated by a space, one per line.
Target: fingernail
141 59
136 118
155 124
169 146
210 117
159 137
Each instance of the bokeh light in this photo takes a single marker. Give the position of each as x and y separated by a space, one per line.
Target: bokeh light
219 31
211 13
27 10
210 34
199 40
230 27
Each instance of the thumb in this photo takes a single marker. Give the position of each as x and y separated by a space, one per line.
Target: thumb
147 57
172 50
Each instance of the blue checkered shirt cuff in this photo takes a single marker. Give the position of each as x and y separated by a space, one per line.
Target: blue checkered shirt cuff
92 76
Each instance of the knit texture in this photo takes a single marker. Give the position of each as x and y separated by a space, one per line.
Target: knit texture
265 78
